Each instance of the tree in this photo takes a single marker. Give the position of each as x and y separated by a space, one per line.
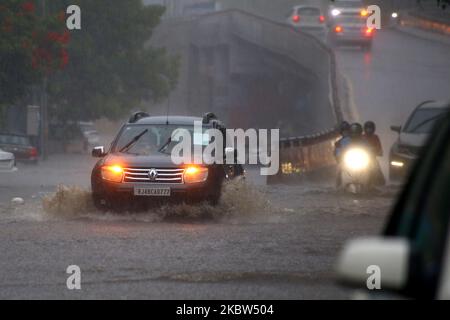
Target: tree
31 47
112 69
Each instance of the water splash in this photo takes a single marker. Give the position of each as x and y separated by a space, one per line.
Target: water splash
239 199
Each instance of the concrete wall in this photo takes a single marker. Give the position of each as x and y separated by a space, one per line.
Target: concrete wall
252 72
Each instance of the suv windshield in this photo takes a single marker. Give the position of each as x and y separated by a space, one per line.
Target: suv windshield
156 138
423 120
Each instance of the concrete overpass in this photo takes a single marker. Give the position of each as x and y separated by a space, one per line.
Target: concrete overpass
253 72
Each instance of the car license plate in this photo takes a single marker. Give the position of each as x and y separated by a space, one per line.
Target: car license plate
152 192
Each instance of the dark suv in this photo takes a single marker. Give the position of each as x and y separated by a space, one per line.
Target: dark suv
138 168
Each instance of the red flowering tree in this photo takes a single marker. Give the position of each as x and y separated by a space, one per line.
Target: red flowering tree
31 46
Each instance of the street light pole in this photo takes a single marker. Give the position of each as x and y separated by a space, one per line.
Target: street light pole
44 104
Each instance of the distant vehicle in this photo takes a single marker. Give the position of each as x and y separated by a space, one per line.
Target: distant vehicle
413 254
7 162
351 30
138 169
309 19
413 135
20 146
90 134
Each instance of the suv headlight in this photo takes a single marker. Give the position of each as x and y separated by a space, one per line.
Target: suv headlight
356 159
194 174
112 173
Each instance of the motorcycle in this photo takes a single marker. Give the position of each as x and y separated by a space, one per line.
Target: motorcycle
357 167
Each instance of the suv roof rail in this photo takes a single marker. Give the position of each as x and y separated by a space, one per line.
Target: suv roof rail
138 116
207 117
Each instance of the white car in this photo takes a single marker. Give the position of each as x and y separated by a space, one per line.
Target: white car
309 19
7 162
413 135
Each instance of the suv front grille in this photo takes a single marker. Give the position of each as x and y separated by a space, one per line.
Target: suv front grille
163 175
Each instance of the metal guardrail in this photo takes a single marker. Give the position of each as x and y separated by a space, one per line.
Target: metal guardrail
430 18
306 156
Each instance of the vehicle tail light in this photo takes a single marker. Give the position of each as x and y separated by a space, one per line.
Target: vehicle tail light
322 19
33 152
112 173
368 32
338 29
296 18
195 174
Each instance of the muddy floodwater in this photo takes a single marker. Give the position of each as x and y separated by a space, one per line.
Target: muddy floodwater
261 241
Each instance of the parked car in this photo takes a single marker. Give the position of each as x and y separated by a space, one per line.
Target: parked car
413 135
309 19
7 162
20 146
413 253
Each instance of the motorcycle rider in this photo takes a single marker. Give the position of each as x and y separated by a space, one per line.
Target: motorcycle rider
372 138
373 141
339 145
351 134
356 133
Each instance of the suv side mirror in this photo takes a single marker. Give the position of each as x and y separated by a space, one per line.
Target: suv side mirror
390 255
397 129
98 152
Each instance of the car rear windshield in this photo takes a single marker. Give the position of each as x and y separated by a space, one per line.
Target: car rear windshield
308 11
423 120
348 4
17 140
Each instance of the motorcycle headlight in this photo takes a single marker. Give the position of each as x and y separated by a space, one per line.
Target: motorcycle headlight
194 174
356 159
112 173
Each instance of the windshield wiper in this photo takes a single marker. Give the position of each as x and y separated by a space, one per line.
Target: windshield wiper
164 146
133 141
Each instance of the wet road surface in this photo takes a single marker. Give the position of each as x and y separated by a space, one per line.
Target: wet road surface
279 242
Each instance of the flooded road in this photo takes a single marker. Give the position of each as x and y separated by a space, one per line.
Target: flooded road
265 242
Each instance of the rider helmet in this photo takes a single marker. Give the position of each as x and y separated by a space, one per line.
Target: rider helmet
369 127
